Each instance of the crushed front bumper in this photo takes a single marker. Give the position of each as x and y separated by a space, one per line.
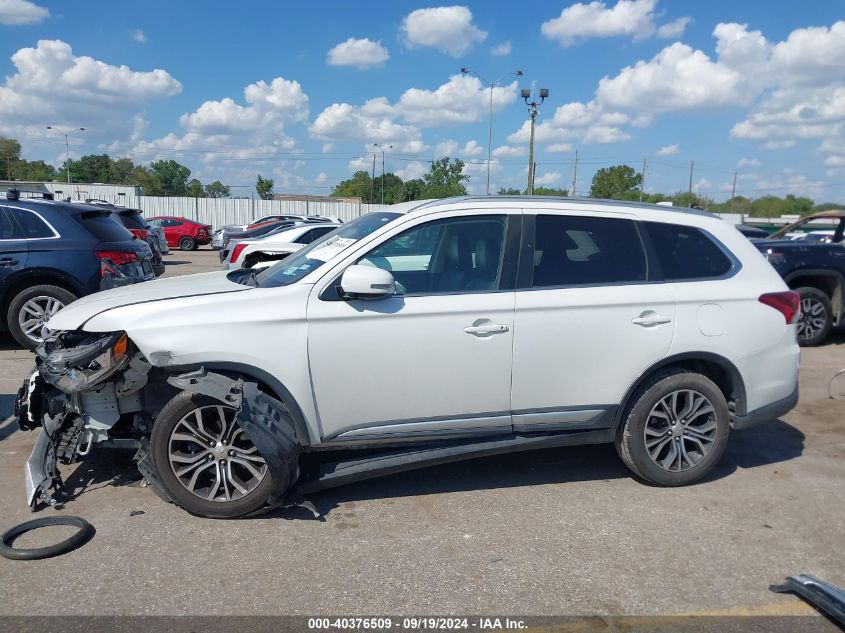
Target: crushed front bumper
40 472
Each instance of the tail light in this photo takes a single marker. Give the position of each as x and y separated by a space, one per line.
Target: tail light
787 303
239 248
110 259
141 234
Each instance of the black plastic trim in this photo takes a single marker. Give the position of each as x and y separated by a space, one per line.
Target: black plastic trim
771 411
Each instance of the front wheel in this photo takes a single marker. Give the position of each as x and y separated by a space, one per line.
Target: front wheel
676 429
816 319
188 244
30 310
205 461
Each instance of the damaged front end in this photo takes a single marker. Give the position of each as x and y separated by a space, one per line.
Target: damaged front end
84 390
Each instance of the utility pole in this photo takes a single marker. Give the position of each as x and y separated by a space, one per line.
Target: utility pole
491 84
574 174
532 111
383 150
67 133
642 179
691 168
733 192
373 180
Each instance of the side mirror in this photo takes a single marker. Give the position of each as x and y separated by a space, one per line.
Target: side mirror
366 282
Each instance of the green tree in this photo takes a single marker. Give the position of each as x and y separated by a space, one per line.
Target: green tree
359 186
195 189
551 191
615 182
33 170
510 191
92 168
143 177
264 187
10 153
123 170
445 178
414 190
217 189
169 178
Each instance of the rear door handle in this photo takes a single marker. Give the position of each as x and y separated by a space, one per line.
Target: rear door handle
650 319
487 328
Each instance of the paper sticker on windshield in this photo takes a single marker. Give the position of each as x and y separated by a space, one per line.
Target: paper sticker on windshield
331 248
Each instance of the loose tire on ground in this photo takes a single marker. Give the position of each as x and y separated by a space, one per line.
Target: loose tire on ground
816 319
83 534
160 447
631 442
20 300
187 244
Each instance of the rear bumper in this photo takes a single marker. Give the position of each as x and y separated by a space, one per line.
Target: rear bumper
771 411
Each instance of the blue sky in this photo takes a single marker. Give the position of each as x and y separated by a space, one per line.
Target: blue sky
233 89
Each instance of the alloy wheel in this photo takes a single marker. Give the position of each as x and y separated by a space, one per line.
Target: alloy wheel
680 430
212 457
35 313
813 318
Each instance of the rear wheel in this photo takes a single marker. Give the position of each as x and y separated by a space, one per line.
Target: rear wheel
205 461
30 310
816 319
188 244
675 429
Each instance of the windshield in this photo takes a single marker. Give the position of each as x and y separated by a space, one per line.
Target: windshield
293 268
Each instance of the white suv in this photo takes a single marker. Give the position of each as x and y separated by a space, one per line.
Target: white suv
422 333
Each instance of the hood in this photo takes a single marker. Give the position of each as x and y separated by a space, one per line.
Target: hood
77 313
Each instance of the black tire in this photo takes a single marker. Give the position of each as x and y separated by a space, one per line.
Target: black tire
187 243
631 442
18 302
818 300
84 534
167 419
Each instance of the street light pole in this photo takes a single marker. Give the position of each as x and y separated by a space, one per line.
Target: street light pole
491 85
532 111
383 150
67 133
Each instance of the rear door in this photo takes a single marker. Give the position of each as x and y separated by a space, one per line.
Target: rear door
13 246
588 321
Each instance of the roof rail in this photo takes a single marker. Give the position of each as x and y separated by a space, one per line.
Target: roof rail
15 194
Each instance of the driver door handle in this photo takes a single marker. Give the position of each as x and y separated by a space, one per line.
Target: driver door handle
487 328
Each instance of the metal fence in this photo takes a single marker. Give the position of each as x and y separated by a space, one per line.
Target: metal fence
221 211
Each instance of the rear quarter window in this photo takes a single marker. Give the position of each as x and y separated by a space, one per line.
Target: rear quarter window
687 252
103 226
133 220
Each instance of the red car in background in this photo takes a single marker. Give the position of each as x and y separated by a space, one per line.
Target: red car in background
182 232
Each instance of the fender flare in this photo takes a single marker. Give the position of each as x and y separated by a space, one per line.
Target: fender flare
733 374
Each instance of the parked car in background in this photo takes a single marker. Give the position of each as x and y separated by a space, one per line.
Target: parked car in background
51 253
815 269
183 233
133 220
162 240
427 332
752 231
278 245
220 235
264 229
825 237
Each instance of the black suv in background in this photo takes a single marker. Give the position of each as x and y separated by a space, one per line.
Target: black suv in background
816 271
133 219
52 252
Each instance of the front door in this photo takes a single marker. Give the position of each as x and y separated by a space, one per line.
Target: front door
588 324
435 358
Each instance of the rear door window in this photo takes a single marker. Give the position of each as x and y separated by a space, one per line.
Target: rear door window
576 250
32 225
103 226
686 252
8 228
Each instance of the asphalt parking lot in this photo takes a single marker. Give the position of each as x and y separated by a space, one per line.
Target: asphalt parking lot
561 531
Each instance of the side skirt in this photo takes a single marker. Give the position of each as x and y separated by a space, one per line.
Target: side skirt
338 473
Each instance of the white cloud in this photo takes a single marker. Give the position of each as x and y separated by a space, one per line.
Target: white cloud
634 18
360 53
668 150
748 162
559 147
321 178
373 122
507 151
413 170
585 122
549 178
448 29
463 99
219 131
500 50
101 97
327 148
138 35
15 12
